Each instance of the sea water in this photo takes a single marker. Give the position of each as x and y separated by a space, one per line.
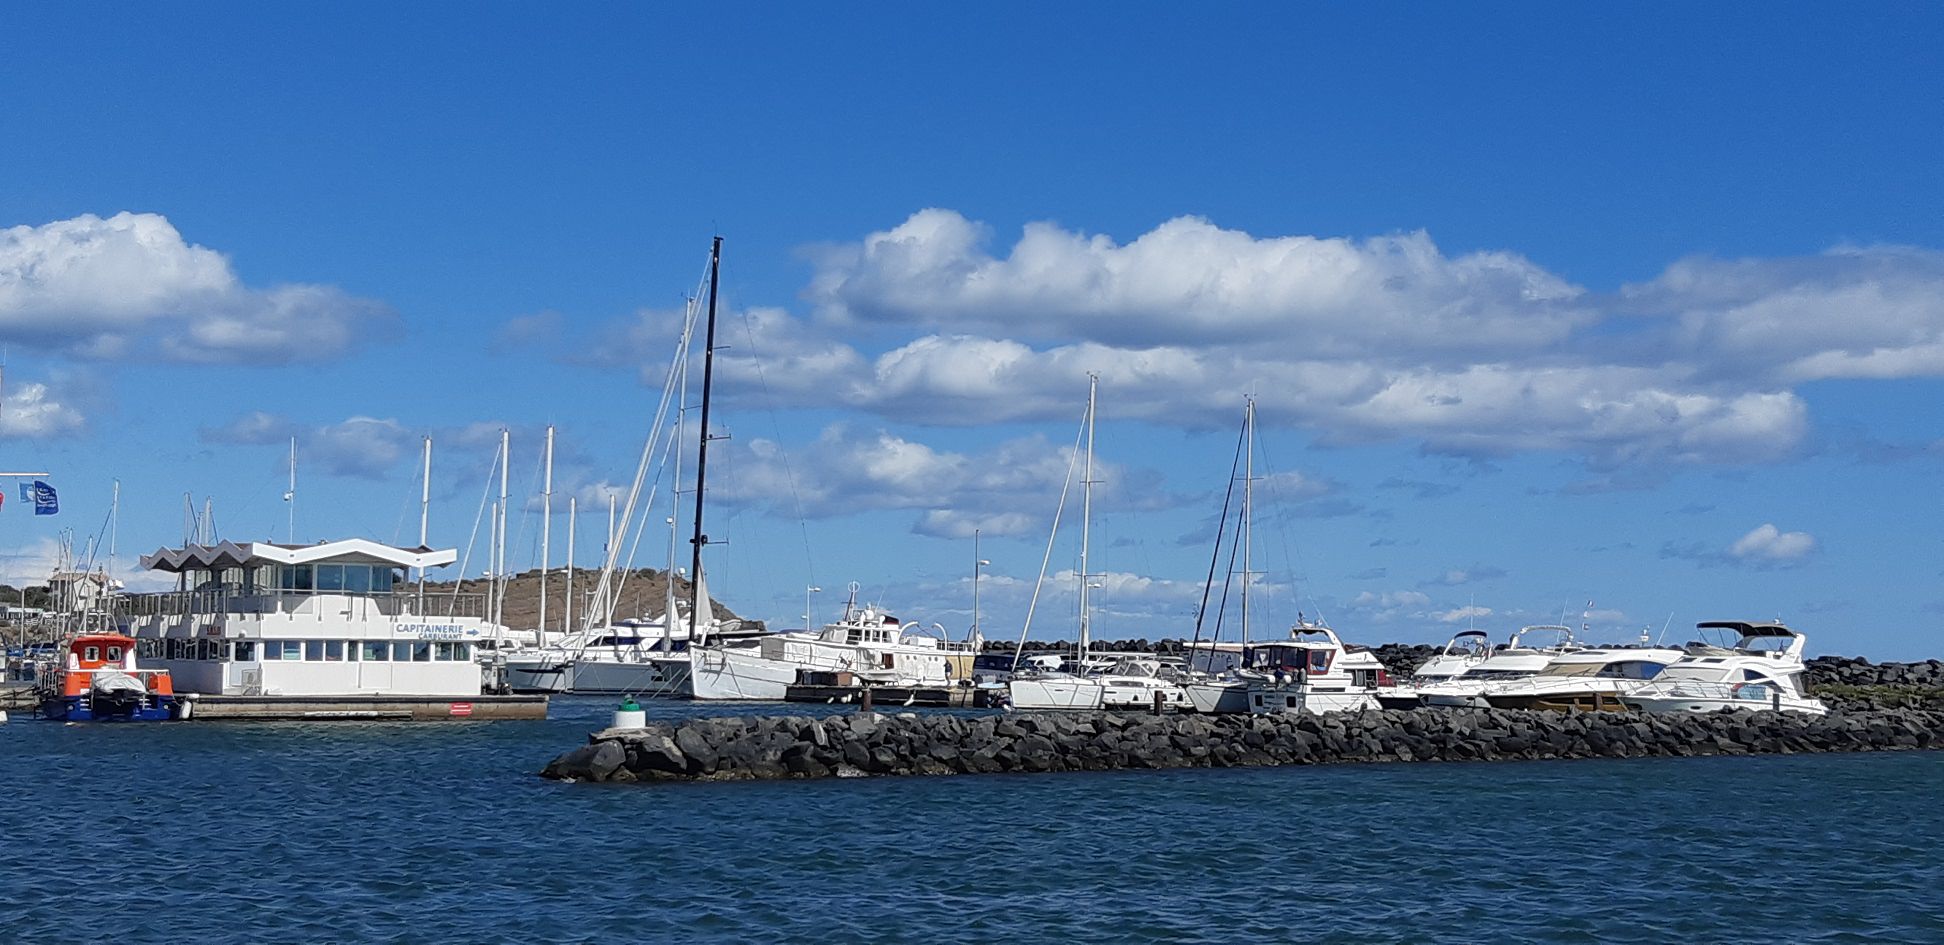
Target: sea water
211 832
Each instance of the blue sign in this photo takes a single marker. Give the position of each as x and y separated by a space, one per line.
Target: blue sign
43 497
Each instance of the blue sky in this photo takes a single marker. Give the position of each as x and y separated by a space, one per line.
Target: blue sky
1540 306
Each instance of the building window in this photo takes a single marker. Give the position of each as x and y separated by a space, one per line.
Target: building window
376 652
422 652
357 578
246 651
330 577
333 651
295 578
401 652
381 579
314 650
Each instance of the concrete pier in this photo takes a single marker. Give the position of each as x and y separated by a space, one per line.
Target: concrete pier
203 706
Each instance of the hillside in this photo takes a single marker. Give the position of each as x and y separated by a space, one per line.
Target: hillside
642 594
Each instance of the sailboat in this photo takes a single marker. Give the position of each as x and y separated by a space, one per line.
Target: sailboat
1130 683
1219 687
643 657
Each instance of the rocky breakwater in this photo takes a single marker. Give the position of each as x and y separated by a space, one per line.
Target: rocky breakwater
866 744
1854 683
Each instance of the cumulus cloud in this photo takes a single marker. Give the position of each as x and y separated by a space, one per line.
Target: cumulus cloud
1767 544
1458 576
1389 338
364 447
1461 614
1189 279
1009 490
35 411
131 287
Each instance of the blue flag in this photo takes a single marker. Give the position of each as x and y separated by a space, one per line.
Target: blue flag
44 499
26 492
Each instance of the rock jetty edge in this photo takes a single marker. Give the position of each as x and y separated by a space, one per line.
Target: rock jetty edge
874 744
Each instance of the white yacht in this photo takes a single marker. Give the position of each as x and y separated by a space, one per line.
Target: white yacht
870 645
1762 670
634 656
1460 655
334 618
1517 660
1312 671
1130 683
1583 680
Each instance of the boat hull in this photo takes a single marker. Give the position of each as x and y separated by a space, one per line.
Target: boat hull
728 675
83 709
1293 699
1055 693
1217 699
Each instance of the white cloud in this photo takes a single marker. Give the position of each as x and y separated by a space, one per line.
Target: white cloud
1462 614
130 287
1188 279
1008 490
1355 341
1768 544
365 447
34 411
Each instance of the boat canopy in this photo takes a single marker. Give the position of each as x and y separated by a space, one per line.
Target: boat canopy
224 555
1748 629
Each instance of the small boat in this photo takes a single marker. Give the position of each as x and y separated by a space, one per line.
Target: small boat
1762 670
99 681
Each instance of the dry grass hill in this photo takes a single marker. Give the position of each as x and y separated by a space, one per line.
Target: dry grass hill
642 593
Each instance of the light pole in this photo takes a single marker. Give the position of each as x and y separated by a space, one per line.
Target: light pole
978 563
809 609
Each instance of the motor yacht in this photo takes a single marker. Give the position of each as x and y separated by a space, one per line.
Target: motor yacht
1588 680
1460 655
1130 683
872 646
1762 670
1516 660
1312 671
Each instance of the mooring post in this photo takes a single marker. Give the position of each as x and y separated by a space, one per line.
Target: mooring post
1157 702
864 705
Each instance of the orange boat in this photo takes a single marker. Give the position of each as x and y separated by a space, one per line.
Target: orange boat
98 681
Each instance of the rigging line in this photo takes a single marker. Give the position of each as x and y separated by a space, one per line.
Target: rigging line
1073 460
459 581
1221 527
1221 609
1291 560
782 452
604 588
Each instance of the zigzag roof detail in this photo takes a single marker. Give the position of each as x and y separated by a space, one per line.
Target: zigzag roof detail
230 554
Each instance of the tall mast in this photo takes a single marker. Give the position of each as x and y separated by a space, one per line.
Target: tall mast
290 497
573 514
499 544
425 517
608 551
546 536
702 447
1086 522
675 486
1248 512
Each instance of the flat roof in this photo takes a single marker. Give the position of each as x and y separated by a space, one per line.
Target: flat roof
257 553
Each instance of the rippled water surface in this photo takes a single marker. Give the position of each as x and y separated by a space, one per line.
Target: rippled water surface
214 832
